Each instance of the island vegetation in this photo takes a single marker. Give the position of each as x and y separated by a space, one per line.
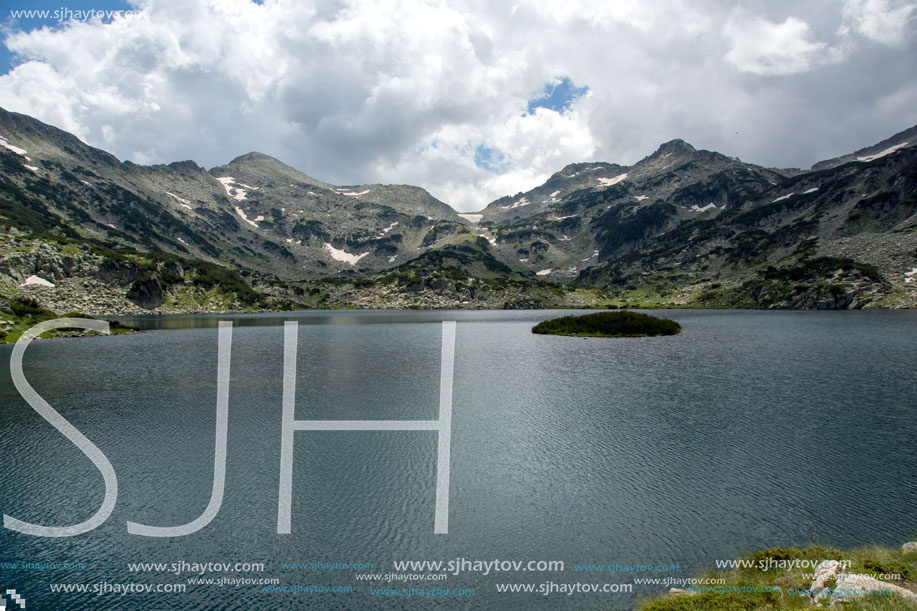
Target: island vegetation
608 324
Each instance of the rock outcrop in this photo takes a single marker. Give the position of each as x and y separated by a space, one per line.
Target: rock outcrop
148 294
850 586
118 272
46 261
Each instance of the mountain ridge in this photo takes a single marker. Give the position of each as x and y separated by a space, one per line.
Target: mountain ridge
907 137
682 226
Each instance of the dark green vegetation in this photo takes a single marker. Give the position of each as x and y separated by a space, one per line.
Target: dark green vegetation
608 324
18 315
765 585
680 228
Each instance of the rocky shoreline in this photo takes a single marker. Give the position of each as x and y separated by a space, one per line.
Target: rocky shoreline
70 278
814 577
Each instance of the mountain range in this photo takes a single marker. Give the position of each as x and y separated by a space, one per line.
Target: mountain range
82 230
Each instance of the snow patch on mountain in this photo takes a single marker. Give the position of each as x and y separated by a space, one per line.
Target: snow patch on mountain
234 192
38 281
492 240
15 149
881 154
518 203
181 200
387 229
342 255
607 182
242 215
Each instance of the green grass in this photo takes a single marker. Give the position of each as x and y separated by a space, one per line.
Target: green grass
608 324
761 586
27 313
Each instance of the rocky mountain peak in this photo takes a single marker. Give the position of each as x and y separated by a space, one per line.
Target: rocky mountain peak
252 157
261 168
188 166
675 147
573 169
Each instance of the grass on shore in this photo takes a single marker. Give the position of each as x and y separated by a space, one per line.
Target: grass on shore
761 585
26 313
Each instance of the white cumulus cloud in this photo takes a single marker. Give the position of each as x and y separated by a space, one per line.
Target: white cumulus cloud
884 21
760 46
410 91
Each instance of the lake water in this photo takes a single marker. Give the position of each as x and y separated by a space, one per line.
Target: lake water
747 430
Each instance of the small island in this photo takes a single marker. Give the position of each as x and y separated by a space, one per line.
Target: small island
608 324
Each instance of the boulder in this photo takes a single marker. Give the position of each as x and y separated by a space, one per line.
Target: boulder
852 586
175 268
910 546
121 273
5 307
148 295
823 572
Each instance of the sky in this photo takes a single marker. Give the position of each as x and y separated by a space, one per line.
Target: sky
470 99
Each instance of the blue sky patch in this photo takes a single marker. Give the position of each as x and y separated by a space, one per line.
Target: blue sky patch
490 159
27 15
558 95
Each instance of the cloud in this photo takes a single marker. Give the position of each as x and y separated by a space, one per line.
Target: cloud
760 46
883 21
446 94
531 146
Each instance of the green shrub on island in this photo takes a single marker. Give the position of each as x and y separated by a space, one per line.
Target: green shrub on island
608 324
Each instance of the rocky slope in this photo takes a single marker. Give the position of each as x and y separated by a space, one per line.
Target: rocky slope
900 140
254 213
693 227
680 227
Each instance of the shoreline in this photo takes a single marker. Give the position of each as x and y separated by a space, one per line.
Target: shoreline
874 577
